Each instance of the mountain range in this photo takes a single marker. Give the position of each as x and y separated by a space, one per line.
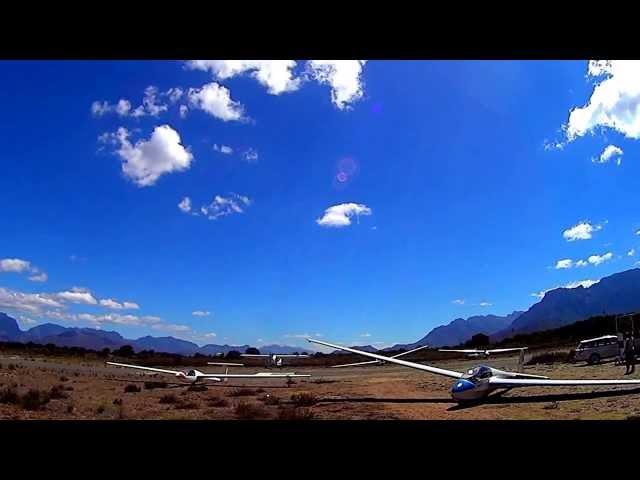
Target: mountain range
615 294
95 339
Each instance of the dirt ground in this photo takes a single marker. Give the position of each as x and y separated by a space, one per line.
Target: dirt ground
93 390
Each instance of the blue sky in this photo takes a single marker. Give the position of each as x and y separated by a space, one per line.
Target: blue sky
456 188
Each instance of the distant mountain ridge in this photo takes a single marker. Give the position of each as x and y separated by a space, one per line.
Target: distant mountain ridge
460 330
616 294
94 339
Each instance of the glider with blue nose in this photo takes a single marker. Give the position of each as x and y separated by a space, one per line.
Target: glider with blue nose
478 382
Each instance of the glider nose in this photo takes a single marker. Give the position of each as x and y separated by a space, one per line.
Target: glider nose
462 386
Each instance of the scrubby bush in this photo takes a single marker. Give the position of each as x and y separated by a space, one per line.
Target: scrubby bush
242 392
131 388
270 400
250 411
295 413
186 406
169 399
197 388
34 399
100 410
304 399
9 395
69 408
57 392
152 385
117 401
217 402
64 379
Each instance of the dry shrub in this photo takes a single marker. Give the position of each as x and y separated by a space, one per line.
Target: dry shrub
218 402
57 392
100 410
242 392
295 413
63 379
152 385
9 395
186 406
197 388
250 411
170 398
34 399
69 408
117 401
304 399
270 400
131 388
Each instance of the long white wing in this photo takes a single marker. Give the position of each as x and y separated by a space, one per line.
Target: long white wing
254 355
225 364
513 382
291 356
501 350
253 375
461 351
160 370
357 364
404 363
371 362
410 351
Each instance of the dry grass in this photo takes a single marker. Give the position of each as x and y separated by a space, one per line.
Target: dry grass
242 392
548 358
304 399
170 398
250 411
152 385
295 413
217 402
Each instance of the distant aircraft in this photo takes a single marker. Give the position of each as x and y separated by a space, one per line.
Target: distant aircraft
378 362
474 353
193 376
274 358
478 382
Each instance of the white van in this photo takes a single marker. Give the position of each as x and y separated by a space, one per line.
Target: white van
594 350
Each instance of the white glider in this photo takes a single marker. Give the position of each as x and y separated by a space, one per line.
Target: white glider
474 353
478 382
378 362
193 376
274 358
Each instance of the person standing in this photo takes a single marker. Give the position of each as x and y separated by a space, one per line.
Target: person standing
630 354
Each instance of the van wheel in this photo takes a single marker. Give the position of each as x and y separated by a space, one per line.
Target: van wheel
594 358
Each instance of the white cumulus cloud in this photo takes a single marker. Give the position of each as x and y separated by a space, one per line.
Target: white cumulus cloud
582 231
200 313
185 205
78 295
598 259
18 265
343 76
115 305
276 75
340 215
15 265
223 206
565 263
485 304
631 252
614 101
27 302
458 301
216 100
226 149
610 152
148 160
